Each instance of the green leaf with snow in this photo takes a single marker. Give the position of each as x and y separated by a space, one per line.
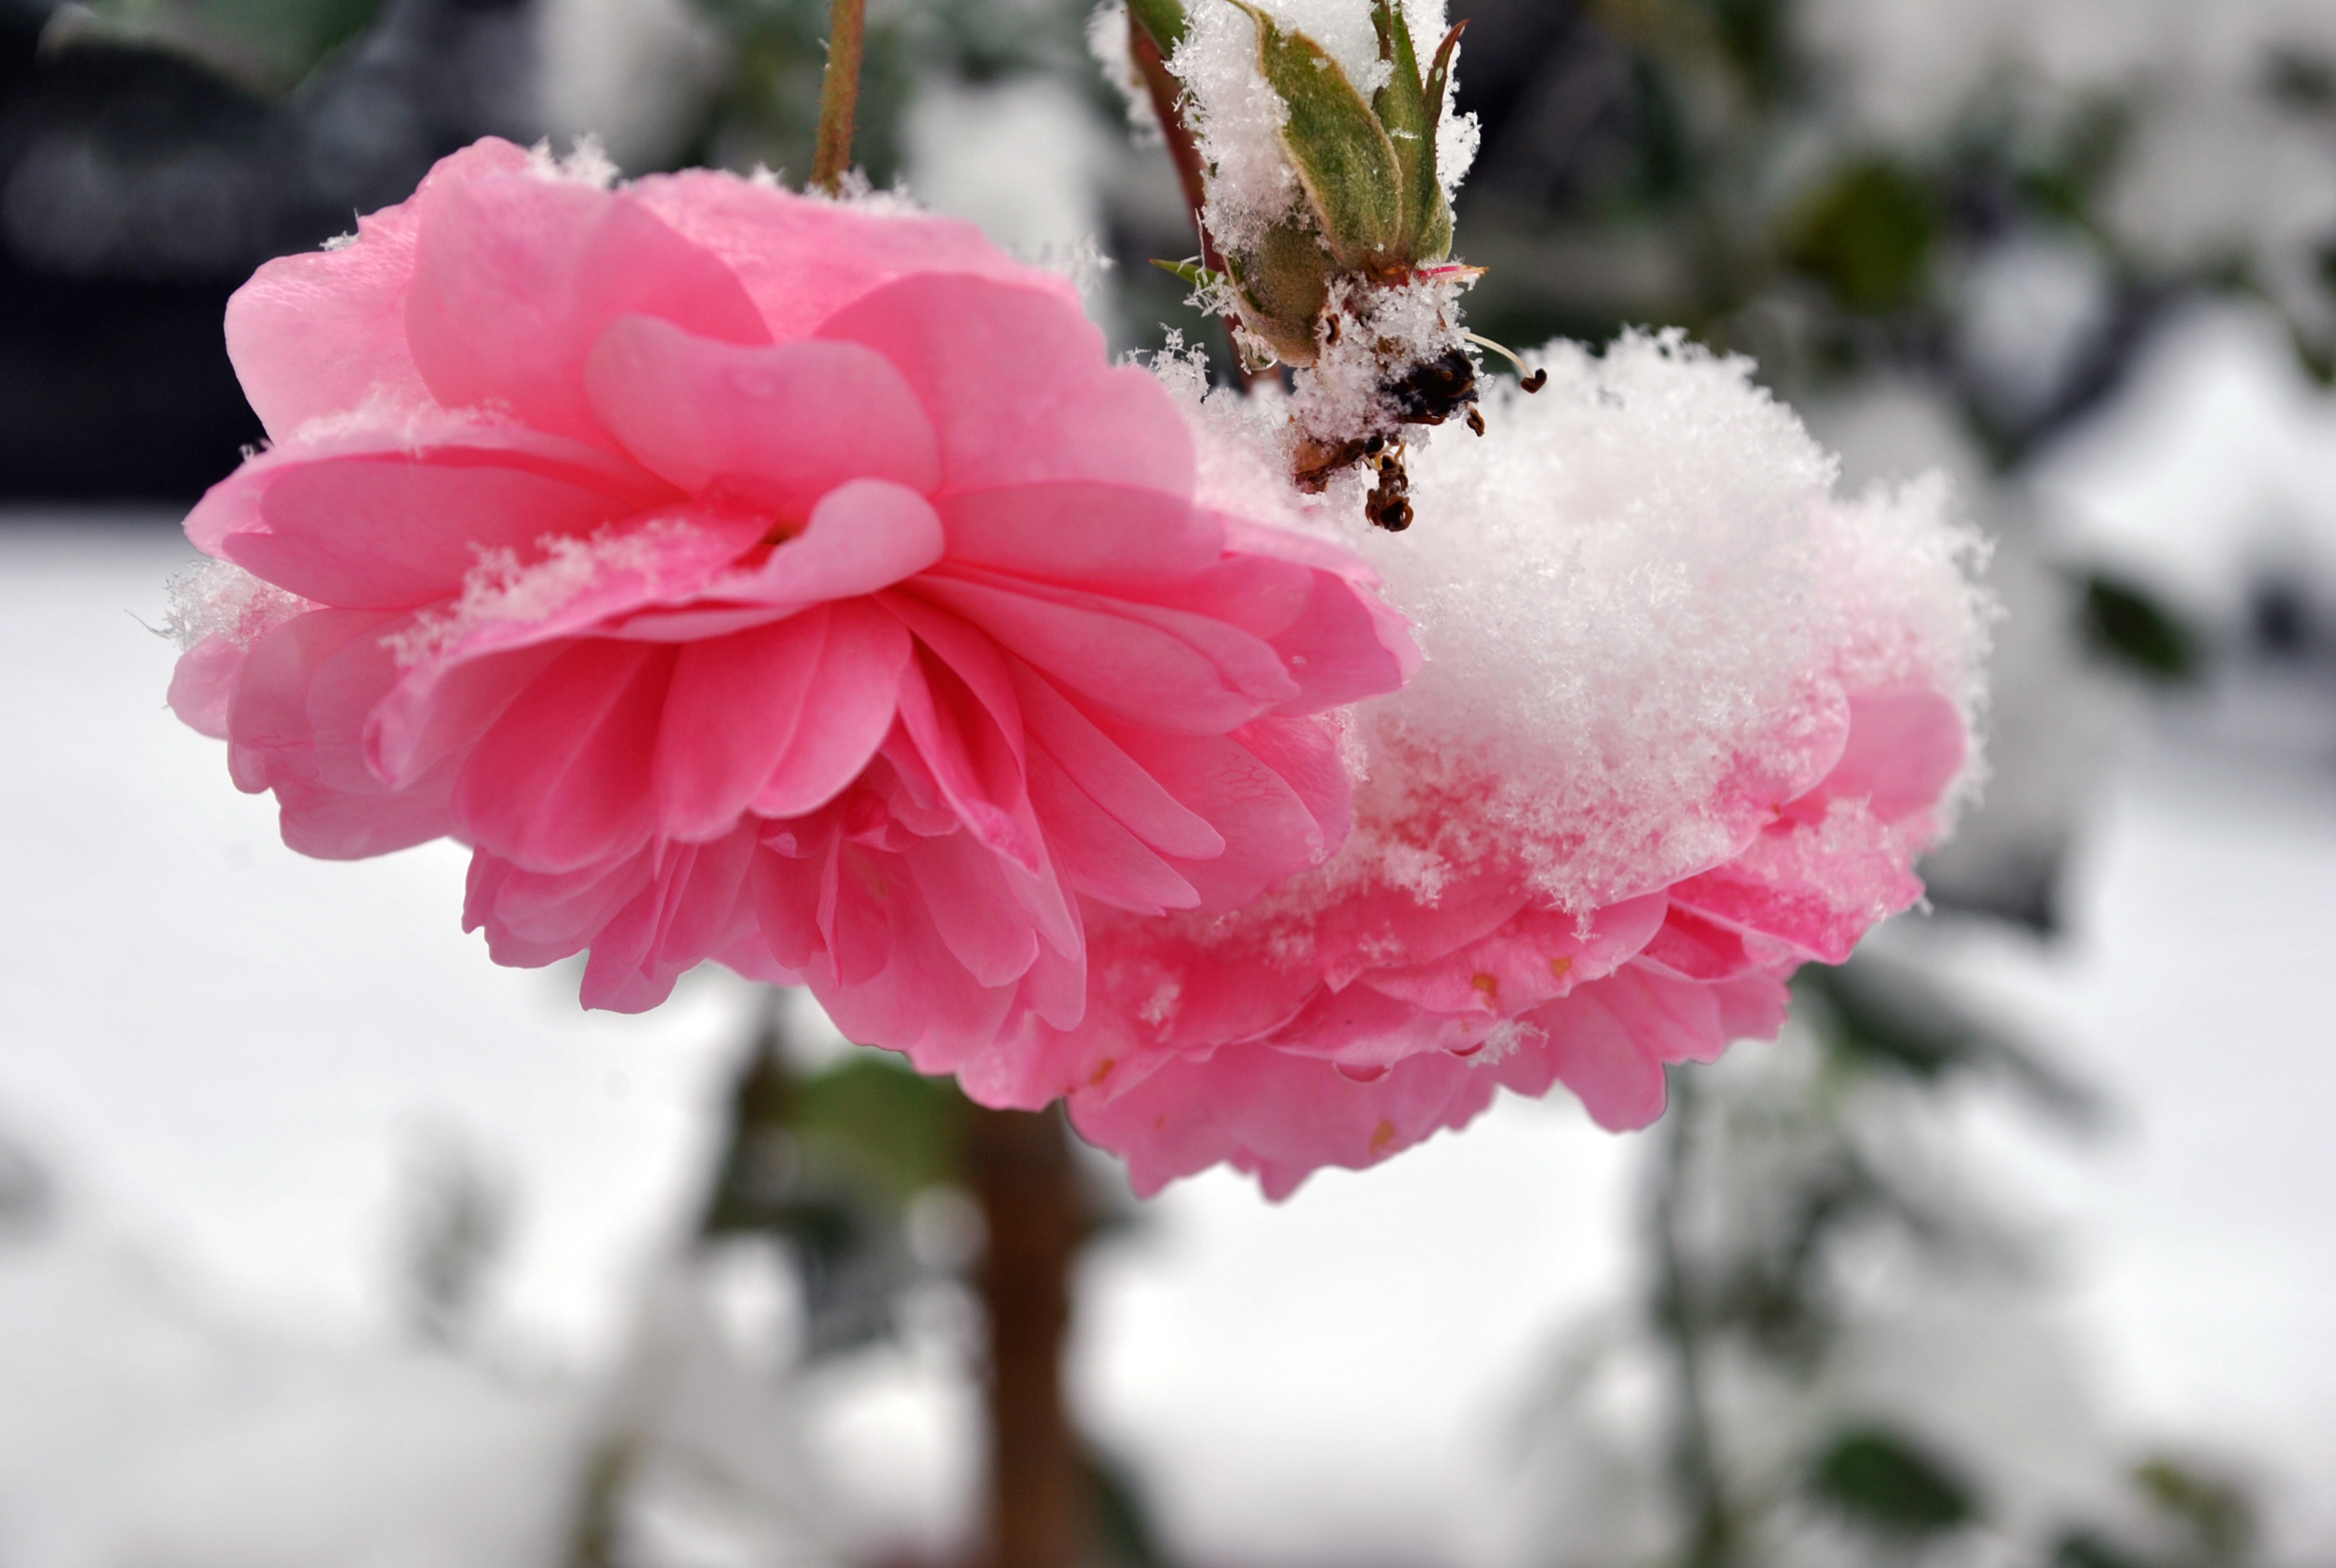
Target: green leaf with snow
1407 111
1342 155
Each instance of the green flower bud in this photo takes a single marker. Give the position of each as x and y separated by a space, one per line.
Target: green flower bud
1374 206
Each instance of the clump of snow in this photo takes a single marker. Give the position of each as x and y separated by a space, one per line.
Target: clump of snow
585 163
218 598
505 590
1640 577
1108 42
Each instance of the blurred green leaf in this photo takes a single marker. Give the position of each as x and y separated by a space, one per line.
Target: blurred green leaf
1880 1014
1867 235
265 44
1880 1479
2127 623
904 1129
2214 1511
2086 1549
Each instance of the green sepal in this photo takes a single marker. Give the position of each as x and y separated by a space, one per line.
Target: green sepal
1163 20
1433 241
1191 270
1344 161
1407 114
1283 285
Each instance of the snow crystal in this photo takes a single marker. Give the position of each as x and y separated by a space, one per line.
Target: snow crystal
1107 41
1637 578
586 163
217 598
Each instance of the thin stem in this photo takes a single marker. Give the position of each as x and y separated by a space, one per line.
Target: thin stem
839 95
1531 379
1167 106
1710 1526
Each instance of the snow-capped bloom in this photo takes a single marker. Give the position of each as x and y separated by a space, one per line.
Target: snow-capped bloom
1686 721
758 578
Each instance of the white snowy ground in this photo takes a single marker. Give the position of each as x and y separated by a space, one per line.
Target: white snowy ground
226 1053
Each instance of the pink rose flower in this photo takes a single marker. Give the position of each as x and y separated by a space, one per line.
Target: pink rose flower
1338 1025
750 577
1686 720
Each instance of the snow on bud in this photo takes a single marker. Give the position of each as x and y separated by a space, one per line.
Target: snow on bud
1331 163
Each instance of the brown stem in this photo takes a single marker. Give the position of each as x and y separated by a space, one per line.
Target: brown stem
1022 1175
839 95
1167 107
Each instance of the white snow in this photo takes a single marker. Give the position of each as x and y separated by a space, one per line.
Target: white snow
2215 469
222 1047
1623 589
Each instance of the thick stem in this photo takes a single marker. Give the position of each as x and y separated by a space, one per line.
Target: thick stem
1167 98
1020 1164
839 95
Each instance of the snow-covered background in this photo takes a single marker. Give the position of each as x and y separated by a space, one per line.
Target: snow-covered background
222 1057
239 1090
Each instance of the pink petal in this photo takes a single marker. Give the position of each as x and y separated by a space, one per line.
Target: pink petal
1193 676
561 780
1104 771
414 727
203 682
1536 956
735 706
1279 1117
687 913
782 248
970 758
1906 744
1269 830
537 918
973 908
269 725
324 332
1019 387
1695 949
1083 532
848 709
865 536
1590 1044
1376 926
238 503
515 277
294 726
1100 857
386 532
773 427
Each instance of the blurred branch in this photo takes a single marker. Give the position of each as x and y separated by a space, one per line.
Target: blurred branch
1020 1164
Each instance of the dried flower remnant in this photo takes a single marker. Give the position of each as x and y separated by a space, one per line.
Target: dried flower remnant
750 577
